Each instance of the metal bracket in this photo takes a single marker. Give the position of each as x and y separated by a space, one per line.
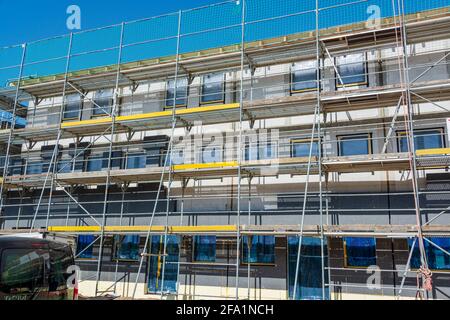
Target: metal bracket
134 86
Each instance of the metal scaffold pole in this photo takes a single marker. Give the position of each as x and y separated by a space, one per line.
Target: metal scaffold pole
319 146
409 107
54 164
239 150
13 125
108 174
170 155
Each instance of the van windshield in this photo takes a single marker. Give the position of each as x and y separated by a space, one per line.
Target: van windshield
22 271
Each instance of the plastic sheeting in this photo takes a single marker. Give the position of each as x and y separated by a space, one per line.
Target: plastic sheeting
310 278
156 261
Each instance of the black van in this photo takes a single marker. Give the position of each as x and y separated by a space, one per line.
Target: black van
35 269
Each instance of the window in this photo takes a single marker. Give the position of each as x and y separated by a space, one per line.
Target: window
260 151
437 259
212 154
85 248
23 271
301 148
213 88
65 165
34 167
15 167
352 69
126 248
354 145
72 107
309 278
423 139
182 93
258 249
95 163
136 160
304 76
103 101
204 249
156 261
116 160
360 252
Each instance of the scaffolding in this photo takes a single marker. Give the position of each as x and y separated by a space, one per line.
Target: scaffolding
115 126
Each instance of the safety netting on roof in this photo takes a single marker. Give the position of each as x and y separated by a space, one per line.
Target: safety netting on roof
200 29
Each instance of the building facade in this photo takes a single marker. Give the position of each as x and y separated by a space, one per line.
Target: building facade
309 161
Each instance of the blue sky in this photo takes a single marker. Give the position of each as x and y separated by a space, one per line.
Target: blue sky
28 20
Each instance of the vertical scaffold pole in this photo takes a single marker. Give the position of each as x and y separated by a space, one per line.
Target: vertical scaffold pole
239 150
411 139
54 164
170 155
13 125
319 145
108 174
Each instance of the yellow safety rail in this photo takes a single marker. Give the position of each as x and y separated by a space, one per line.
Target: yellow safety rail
198 166
152 115
137 229
433 152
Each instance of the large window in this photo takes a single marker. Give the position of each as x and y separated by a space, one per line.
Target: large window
72 107
352 69
156 263
258 250
103 102
204 249
94 163
126 248
360 252
354 145
181 92
423 139
304 76
34 167
85 248
117 160
213 88
301 148
212 154
437 259
309 277
260 151
136 160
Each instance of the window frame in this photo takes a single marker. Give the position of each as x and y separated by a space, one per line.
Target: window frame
369 141
262 264
221 152
185 95
346 265
90 248
202 87
306 141
288 261
401 133
94 102
354 84
194 248
292 74
80 109
159 262
445 271
114 257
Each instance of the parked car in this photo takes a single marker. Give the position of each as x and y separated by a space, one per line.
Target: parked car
36 269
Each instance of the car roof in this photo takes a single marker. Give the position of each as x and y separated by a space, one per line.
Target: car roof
20 242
